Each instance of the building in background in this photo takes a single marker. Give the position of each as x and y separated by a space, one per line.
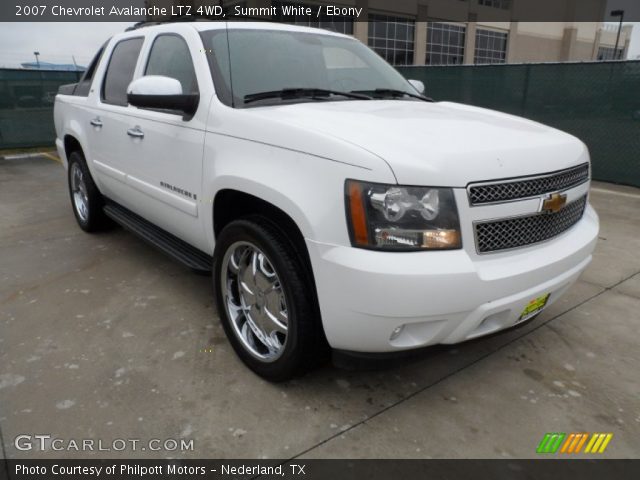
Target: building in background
60 67
441 32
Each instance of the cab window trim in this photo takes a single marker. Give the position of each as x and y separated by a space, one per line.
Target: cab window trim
150 51
106 70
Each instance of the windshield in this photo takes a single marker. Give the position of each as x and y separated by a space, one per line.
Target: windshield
257 61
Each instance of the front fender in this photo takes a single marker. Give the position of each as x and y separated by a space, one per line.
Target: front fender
308 188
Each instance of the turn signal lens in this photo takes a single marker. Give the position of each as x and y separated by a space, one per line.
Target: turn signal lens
358 215
441 239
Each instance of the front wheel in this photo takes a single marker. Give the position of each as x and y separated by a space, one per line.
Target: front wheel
265 300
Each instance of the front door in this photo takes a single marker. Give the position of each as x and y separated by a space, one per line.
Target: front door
166 149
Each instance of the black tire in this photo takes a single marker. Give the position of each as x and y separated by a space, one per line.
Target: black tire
93 219
305 345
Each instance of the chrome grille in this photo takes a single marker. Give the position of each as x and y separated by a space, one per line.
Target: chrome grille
528 187
517 232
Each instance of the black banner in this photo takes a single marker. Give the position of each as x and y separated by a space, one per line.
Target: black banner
552 469
312 10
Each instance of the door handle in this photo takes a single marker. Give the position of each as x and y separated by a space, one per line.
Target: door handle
135 132
96 122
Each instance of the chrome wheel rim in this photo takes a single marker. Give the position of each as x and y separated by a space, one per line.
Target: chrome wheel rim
79 192
255 301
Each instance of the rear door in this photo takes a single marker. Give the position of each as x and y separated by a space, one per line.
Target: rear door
107 124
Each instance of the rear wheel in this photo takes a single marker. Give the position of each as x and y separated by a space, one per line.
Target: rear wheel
265 302
86 200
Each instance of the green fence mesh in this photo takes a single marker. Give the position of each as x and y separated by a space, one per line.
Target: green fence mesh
26 106
597 102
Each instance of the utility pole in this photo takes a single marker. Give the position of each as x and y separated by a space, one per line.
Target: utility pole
617 13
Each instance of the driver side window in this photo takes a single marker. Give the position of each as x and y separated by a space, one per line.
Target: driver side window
170 57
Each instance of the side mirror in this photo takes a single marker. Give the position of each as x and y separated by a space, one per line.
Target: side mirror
163 93
418 85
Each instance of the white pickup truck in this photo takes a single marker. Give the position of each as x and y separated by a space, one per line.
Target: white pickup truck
336 206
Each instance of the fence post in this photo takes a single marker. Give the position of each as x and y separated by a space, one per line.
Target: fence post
525 89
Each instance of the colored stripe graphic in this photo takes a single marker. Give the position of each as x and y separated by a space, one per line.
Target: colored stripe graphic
572 443
568 441
543 443
594 437
550 443
598 443
581 442
605 443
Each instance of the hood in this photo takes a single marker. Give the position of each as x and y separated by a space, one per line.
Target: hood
438 144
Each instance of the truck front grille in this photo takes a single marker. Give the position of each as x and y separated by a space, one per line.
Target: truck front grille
495 235
505 191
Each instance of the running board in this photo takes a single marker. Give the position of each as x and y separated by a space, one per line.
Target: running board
170 244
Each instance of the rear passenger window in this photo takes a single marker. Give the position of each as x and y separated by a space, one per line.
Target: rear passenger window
170 57
120 71
84 85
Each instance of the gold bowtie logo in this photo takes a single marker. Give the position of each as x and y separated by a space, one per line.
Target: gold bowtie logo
554 203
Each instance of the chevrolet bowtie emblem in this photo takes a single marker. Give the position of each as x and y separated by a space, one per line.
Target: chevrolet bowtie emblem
554 203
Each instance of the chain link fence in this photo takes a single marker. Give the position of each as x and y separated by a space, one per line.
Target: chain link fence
26 106
597 102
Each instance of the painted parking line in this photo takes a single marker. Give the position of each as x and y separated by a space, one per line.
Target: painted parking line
614 192
51 156
20 156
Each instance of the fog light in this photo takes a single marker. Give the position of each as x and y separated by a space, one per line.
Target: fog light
396 332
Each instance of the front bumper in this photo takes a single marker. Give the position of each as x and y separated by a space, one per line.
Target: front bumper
439 297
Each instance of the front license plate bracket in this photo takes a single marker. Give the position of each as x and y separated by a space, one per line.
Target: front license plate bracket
534 307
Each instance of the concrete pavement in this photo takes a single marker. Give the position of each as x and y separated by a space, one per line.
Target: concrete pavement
103 337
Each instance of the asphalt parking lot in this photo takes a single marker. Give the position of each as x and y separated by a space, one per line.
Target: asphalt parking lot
103 337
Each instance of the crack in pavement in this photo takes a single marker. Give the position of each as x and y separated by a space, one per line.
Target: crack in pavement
451 374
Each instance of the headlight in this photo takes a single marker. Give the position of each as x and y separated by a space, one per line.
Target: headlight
393 217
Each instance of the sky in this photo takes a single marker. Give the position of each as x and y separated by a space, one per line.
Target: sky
62 42
56 42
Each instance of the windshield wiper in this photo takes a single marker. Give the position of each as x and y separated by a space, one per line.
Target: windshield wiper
293 93
392 93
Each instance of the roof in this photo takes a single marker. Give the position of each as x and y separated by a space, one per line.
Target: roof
203 26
